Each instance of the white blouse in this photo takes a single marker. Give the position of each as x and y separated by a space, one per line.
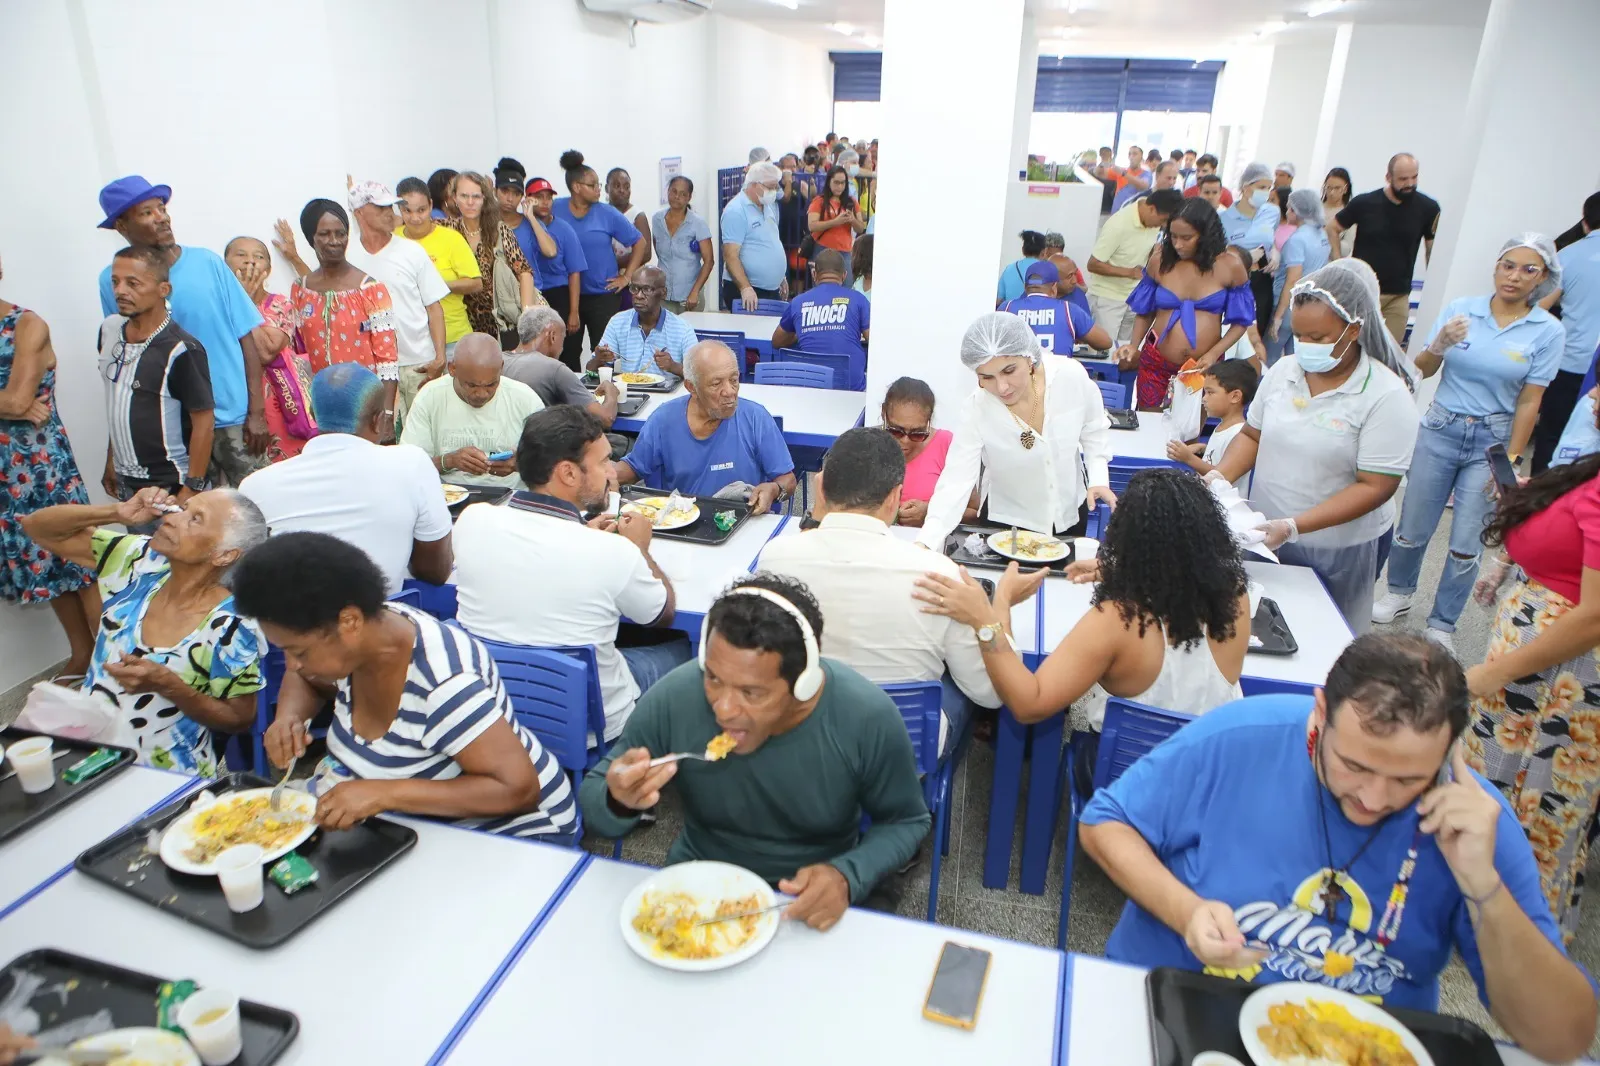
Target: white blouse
1039 488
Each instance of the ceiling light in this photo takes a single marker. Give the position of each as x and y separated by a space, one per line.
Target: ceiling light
1270 28
842 27
792 5
1323 7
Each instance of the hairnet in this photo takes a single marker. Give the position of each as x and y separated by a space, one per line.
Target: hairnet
997 334
1546 248
1307 203
1254 172
763 171
313 212
1351 288
1287 168
759 155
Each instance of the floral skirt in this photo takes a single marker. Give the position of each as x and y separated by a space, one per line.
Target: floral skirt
1539 742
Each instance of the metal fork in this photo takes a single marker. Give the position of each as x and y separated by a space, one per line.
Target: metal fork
663 760
744 914
277 790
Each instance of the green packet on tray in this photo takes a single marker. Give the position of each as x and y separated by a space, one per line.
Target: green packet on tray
169 997
725 520
292 873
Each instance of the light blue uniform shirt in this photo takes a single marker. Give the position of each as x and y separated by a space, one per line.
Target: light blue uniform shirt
1581 437
213 308
755 230
1306 248
1250 232
1580 302
679 252
1013 280
1484 373
636 349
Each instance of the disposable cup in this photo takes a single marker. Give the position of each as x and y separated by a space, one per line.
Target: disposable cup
34 761
605 374
1084 549
210 1019
239 871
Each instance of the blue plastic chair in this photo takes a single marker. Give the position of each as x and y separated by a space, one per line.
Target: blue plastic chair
1124 467
1114 393
920 705
734 339
845 374
763 307
1130 731
1267 686
437 600
1101 371
800 374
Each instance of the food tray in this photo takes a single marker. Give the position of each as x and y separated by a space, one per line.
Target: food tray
1123 417
704 529
993 560
344 860
20 811
1270 627
1191 1012
75 986
591 380
631 406
475 494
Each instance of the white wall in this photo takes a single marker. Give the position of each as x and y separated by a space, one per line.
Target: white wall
1293 99
766 90
1237 108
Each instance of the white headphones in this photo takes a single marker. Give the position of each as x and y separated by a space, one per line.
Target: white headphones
810 680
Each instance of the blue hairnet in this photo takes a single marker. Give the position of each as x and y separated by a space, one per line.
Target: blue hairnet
1546 248
340 395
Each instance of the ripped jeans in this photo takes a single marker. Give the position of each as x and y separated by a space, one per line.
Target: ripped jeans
1448 457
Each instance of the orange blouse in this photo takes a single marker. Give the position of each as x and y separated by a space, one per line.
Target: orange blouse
354 326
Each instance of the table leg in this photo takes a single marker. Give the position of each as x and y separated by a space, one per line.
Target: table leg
1010 737
1040 825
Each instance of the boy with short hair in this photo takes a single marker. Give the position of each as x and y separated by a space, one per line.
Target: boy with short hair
1230 386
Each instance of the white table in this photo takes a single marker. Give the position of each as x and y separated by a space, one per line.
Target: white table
383 978
811 417
699 572
38 853
757 329
853 994
1149 441
1109 1017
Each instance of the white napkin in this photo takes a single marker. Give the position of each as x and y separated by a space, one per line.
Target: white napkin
1242 519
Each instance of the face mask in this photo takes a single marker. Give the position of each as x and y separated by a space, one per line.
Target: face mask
1259 198
1315 358
769 196
852 170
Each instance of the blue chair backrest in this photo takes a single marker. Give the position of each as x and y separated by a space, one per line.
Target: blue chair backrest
1114 393
802 374
919 703
1266 686
596 709
1101 371
1124 467
548 697
734 339
848 373
411 597
1130 732
437 600
763 307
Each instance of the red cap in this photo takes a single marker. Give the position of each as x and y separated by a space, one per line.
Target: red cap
538 185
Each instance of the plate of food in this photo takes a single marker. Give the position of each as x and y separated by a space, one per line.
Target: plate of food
1029 547
640 377
659 917
660 512
1301 1024
139 1046
192 843
454 494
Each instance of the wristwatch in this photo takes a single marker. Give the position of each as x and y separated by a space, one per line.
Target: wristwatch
195 484
989 637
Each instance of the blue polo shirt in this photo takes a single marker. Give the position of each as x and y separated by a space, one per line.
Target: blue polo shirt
213 308
1580 302
747 447
1245 829
1013 279
755 230
636 349
1484 373
596 230
831 318
1306 248
1057 323
551 272
1250 232
1581 437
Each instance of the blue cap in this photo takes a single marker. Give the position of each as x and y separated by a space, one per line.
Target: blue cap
124 193
1042 273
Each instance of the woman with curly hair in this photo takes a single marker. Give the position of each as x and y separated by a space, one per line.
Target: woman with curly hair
1188 282
1535 727
477 218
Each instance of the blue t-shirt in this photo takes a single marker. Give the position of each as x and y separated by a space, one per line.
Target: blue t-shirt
1254 232
1581 437
755 230
1230 806
1484 373
551 272
1580 302
1306 248
747 447
595 232
831 318
213 308
1012 280
1057 323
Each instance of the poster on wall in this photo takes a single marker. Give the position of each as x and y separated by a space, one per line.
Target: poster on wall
671 167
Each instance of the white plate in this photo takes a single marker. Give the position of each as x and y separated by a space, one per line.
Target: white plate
658 502
179 837
454 494
710 882
1254 1015
643 378
147 1045
1001 542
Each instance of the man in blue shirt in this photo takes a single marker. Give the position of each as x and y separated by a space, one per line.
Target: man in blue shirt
829 318
556 275
711 443
1266 840
648 338
1580 314
208 302
754 264
1058 324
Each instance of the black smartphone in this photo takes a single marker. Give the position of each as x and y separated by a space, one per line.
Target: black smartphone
957 987
1505 475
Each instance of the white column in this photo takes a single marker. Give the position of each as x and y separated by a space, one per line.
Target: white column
1027 76
1294 93
939 83
1331 91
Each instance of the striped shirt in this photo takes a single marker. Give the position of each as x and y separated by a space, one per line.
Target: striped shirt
453 694
636 349
151 386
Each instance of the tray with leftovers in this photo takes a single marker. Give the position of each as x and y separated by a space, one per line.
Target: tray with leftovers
973 545
704 529
456 501
20 811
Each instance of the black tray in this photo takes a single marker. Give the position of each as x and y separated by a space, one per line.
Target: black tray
19 811
954 548
344 859
1191 1012
592 380
704 530
1270 627
1123 417
632 406
91 985
475 494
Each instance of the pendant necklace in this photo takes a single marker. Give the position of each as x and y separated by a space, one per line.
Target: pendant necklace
1027 436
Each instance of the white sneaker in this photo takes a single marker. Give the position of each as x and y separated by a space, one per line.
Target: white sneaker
1390 605
1440 637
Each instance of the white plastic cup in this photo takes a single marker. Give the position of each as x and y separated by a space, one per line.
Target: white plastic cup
606 373
239 871
1084 549
210 1019
34 761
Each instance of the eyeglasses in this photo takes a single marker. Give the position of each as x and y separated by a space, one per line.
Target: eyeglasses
469 197
902 433
645 290
1527 270
590 184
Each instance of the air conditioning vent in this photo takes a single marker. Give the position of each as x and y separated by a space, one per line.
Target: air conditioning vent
650 10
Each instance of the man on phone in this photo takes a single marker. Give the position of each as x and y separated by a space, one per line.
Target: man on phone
469 422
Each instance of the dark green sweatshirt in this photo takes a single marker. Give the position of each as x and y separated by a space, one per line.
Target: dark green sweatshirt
795 801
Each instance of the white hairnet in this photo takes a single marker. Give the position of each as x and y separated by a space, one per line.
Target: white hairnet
1351 288
763 171
1546 248
1287 168
1307 203
759 155
1254 172
996 334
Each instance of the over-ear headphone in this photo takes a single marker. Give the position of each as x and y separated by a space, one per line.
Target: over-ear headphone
810 680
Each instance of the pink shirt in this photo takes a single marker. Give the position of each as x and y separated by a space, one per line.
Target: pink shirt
922 473
1558 543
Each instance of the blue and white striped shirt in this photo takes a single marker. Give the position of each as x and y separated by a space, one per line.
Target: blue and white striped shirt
453 694
636 349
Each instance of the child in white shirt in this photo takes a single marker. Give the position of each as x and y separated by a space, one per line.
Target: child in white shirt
1229 388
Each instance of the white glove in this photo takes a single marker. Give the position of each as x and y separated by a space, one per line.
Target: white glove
1278 532
1213 475
1450 334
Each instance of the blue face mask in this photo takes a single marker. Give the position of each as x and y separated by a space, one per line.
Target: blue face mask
1317 358
1259 198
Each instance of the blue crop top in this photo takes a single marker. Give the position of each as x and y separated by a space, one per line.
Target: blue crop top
1237 306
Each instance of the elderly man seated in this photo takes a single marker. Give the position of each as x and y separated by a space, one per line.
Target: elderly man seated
1340 839
1058 324
385 501
829 317
536 362
506 552
648 339
470 422
863 577
172 653
710 442
816 746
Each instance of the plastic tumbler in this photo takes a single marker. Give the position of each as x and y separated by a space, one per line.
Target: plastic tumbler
1084 549
34 761
210 1019
239 871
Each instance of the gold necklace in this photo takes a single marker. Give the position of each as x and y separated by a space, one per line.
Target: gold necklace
1027 436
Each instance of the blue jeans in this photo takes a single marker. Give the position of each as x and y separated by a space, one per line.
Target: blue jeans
1448 457
651 662
1281 345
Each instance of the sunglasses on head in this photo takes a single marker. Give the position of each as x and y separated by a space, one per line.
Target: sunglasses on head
901 433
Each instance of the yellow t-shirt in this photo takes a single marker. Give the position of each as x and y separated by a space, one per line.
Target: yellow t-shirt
1125 242
452 257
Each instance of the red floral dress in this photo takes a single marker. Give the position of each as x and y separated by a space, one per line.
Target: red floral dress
353 326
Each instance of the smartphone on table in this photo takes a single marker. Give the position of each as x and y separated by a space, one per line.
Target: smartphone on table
1505 475
957 987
